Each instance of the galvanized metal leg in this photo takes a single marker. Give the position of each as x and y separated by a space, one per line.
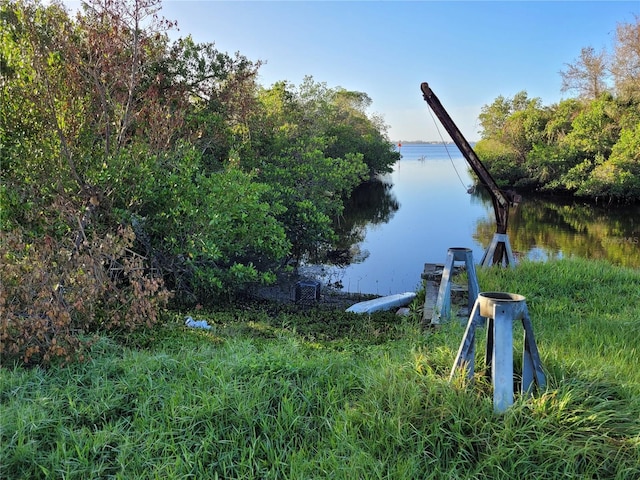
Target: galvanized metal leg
442 307
488 355
502 358
467 351
527 368
532 371
472 280
498 238
443 303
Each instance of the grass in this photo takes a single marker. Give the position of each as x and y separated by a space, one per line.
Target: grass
275 392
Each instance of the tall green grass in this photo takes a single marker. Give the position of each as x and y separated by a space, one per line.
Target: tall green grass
272 392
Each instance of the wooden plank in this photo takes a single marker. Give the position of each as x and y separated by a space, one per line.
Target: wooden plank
432 271
431 296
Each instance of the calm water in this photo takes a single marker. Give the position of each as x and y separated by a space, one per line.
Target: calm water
426 209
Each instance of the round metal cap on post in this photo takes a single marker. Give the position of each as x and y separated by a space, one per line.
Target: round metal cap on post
488 300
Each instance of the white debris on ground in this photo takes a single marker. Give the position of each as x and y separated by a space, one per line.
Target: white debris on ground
191 323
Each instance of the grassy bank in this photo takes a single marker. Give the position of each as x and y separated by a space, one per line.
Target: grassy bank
271 392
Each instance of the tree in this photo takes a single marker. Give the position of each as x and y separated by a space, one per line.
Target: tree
494 117
350 131
218 92
106 124
525 127
499 158
587 75
625 65
562 116
619 176
312 187
214 233
70 262
119 39
511 127
595 129
40 112
581 145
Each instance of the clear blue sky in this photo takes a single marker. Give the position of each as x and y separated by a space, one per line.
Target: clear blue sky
468 51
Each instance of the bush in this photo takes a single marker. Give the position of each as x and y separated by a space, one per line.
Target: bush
500 160
53 296
619 176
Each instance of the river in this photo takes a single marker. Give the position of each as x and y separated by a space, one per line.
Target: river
391 229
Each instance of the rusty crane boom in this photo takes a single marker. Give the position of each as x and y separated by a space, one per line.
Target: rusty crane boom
499 251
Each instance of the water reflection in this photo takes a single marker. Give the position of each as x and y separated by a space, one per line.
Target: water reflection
545 227
393 227
372 203
552 228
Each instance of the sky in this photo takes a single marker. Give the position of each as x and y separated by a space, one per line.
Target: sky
470 52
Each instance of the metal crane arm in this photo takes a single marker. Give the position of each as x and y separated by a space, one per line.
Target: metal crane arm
501 200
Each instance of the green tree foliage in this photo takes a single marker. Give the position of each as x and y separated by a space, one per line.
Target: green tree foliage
595 129
67 264
525 127
314 145
312 187
498 157
218 230
619 176
32 128
336 117
583 146
493 117
220 90
562 116
107 126
350 130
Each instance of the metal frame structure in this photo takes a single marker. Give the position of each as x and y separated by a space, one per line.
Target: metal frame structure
499 251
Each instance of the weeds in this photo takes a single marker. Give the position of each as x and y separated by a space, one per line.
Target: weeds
274 393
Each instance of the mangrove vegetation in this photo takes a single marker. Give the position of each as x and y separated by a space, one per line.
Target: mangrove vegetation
134 166
586 146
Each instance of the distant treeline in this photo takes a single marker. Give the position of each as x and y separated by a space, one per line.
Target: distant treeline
421 142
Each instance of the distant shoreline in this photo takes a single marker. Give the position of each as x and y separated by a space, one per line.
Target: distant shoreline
425 142
420 142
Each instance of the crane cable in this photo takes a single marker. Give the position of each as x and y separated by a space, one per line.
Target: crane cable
445 147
